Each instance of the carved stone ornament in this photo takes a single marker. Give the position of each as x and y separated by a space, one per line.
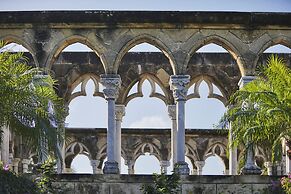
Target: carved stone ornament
119 111
111 84
178 85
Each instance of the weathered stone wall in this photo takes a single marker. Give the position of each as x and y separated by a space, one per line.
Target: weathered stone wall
125 184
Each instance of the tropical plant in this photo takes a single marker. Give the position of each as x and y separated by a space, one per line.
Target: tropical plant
46 176
163 184
26 97
260 112
13 183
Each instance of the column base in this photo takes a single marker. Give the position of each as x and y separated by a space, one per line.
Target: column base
182 168
111 168
251 169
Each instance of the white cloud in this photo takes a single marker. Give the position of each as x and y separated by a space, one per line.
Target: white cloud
151 121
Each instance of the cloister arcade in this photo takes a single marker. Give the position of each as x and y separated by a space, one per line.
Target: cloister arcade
174 75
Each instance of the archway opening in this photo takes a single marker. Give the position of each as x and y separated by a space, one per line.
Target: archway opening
279 50
204 112
18 48
147 164
146 112
87 111
213 166
81 164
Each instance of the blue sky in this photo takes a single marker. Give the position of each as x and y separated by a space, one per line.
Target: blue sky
89 111
185 5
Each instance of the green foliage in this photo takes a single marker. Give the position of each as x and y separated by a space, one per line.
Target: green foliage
44 181
25 95
16 184
261 110
163 184
286 184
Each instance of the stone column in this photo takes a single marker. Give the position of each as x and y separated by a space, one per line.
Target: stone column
68 170
94 164
25 163
119 113
269 167
279 168
111 84
287 159
15 163
199 165
61 146
250 167
164 165
178 86
232 156
5 145
130 165
172 115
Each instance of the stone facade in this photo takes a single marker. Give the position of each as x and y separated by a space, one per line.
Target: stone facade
125 184
110 35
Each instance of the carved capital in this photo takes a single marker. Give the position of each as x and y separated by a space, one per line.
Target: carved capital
111 84
119 111
199 164
172 112
178 85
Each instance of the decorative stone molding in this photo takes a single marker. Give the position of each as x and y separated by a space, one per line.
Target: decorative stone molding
15 163
111 168
25 163
111 84
119 112
94 164
199 165
164 165
178 85
182 168
269 167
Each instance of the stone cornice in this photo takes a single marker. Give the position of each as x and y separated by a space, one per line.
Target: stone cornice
145 19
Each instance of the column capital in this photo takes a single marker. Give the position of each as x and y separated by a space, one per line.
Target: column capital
164 163
15 161
245 79
119 111
111 84
199 164
172 111
178 85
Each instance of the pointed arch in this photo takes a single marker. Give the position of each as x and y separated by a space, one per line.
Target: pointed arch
283 40
147 148
61 45
15 39
83 80
152 80
209 81
145 38
220 41
73 149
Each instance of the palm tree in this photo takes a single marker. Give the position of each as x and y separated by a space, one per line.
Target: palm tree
25 99
261 110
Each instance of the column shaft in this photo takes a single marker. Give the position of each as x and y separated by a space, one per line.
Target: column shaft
118 143
180 131
5 145
232 156
111 131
